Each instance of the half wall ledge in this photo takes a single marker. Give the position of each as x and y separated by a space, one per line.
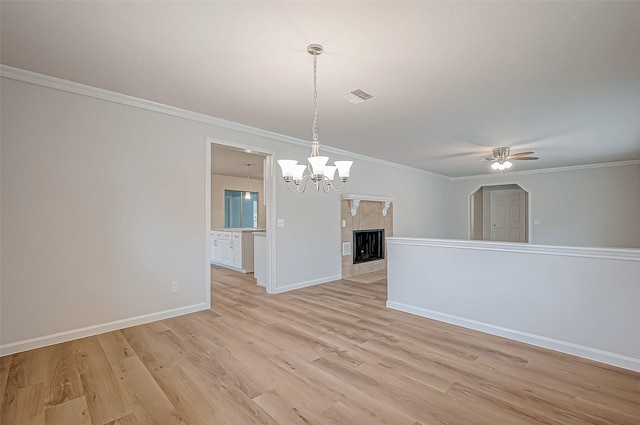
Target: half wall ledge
356 198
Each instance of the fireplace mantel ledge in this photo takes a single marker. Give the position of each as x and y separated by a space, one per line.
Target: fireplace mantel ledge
355 202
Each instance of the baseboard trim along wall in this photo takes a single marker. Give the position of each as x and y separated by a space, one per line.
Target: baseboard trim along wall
46 340
537 340
286 288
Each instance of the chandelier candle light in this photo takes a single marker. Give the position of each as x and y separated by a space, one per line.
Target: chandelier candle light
317 171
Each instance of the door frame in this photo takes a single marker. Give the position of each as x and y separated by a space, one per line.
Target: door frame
270 199
470 208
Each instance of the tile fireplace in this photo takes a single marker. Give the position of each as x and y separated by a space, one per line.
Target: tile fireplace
370 216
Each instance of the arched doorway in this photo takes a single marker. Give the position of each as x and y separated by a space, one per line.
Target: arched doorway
499 213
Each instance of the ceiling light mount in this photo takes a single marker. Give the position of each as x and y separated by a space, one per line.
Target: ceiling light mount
315 49
316 170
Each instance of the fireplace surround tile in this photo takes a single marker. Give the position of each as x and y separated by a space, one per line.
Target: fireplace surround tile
369 216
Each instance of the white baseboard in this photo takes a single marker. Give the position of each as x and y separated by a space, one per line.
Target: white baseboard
287 288
540 341
43 341
228 266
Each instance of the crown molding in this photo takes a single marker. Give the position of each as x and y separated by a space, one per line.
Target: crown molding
55 83
35 78
551 170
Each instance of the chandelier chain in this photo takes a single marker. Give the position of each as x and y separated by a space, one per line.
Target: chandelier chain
315 98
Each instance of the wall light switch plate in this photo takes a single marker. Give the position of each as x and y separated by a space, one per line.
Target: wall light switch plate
281 222
537 221
175 286
344 223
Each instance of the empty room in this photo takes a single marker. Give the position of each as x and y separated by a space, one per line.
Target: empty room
261 212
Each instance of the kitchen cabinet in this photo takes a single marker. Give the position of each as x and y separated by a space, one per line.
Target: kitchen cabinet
218 247
233 249
236 246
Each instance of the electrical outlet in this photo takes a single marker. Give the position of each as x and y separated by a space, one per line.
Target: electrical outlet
281 222
175 286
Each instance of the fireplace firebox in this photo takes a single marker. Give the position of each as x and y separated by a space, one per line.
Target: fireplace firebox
368 245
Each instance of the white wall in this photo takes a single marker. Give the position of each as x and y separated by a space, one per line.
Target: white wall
420 209
103 205
420 206
579 207
582 301
220 183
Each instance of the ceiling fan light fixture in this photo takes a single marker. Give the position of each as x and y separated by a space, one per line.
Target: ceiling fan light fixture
502 155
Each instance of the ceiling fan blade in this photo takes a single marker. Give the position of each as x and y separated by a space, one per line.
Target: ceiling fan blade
522 154
525 158
477 161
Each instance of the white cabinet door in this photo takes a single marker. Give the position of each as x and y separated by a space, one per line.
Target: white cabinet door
212 256
218 247
229 252
236 241
218 250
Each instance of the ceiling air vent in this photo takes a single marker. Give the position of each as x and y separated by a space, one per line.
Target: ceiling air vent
357 96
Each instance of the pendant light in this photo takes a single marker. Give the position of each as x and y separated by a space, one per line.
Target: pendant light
247 195
316 170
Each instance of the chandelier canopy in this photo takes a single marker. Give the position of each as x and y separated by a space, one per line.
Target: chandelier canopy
316 170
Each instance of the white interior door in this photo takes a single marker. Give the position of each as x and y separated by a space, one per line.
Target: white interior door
508 216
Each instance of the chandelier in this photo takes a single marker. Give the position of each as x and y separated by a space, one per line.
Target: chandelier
316 170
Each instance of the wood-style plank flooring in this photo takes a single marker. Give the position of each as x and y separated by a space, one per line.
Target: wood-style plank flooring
330 354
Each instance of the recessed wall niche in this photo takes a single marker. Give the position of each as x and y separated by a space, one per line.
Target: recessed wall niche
368 217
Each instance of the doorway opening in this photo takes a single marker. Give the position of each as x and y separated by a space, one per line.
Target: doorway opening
499 213
237 243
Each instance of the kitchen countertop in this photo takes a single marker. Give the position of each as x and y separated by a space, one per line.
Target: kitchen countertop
238 229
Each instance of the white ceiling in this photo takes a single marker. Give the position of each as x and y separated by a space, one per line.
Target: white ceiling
229 161
451 80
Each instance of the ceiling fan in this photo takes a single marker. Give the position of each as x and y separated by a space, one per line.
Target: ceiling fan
501 157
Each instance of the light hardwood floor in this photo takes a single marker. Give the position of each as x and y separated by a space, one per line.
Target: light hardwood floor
329 354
